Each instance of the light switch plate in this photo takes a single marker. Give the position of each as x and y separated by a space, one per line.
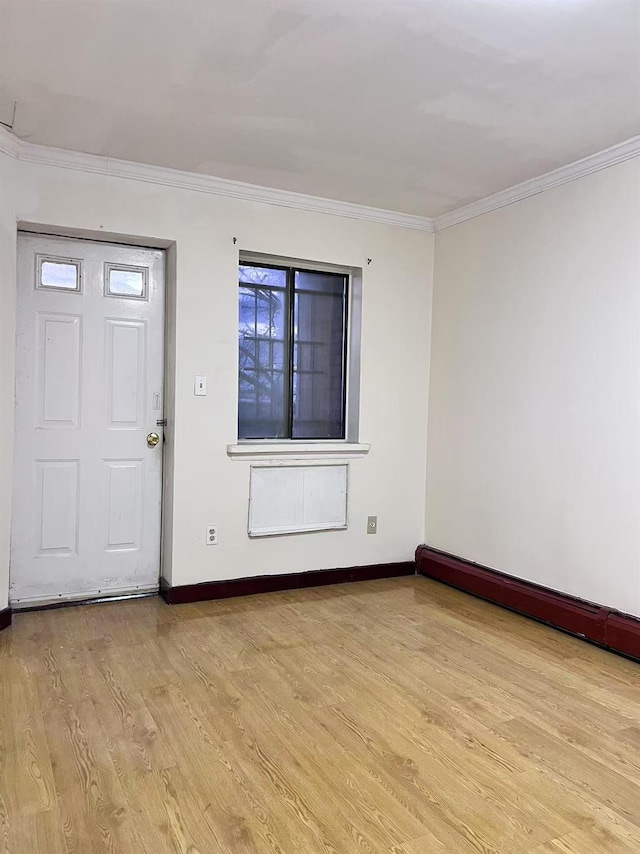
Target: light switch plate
372 524
200 386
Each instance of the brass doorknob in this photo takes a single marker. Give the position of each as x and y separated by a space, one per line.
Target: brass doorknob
152 440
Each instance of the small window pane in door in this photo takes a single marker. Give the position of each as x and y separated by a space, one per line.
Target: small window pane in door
62 274
126 281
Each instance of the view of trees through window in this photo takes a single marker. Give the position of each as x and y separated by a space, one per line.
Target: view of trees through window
292 353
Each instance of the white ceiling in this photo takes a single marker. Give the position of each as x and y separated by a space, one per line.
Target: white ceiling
417 106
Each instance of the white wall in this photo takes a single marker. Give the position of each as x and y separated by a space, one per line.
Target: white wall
210 487
534 410
7 353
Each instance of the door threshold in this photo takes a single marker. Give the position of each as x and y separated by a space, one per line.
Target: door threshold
49 603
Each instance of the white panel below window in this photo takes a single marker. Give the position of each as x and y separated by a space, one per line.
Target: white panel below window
288 499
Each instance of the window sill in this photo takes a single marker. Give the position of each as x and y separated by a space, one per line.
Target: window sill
297 450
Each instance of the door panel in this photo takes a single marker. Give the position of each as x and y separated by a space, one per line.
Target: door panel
89 379
59 344
57 507
125 480
127 362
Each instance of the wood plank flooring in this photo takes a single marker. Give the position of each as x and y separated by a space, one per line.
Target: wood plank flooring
388 717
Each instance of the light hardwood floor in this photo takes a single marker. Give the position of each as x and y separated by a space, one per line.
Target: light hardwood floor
395 717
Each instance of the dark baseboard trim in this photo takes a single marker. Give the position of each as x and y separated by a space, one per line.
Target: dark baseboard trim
5 618
273 583
601 625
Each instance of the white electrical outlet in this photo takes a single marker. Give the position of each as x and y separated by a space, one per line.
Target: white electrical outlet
212 535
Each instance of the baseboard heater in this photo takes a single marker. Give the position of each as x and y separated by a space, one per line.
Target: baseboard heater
596 623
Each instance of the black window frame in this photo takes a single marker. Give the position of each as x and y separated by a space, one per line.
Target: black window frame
291 290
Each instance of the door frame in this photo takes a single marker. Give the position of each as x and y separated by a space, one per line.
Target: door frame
169 247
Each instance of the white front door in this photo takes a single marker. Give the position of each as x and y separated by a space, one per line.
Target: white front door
89 369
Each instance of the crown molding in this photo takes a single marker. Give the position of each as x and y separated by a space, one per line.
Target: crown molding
578 169
9 144
196 182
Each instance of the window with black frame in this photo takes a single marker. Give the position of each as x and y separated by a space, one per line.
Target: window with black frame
292 340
